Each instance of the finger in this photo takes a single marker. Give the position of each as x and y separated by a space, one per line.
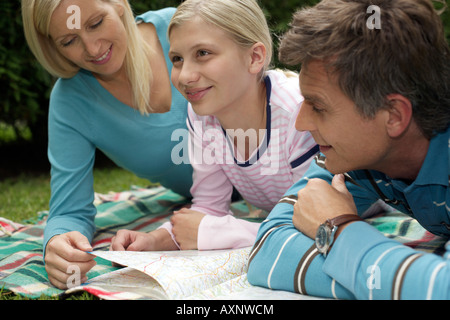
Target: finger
182 210
338 183
61 272
55 281
112 243
64 280
121 240
138 245
117 244
66 246
296 217
56 262
79 241
73 254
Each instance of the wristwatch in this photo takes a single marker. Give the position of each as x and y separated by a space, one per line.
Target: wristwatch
327 230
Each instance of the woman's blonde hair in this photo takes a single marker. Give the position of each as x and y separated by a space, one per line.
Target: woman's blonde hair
36 15
242 19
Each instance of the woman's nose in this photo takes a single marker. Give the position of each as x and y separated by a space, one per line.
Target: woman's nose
92 46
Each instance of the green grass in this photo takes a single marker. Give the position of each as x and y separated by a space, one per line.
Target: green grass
22 197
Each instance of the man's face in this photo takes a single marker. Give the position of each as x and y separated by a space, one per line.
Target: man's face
348 140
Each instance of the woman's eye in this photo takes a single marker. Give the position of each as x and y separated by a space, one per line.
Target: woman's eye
97 24
67 43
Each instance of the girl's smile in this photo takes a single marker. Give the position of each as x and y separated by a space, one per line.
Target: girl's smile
196 94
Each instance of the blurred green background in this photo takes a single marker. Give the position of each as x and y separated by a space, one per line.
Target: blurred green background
25 86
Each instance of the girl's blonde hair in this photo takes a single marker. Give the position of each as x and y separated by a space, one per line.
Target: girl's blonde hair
242 19
36 15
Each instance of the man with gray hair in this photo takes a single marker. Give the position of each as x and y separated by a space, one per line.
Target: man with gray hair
377 101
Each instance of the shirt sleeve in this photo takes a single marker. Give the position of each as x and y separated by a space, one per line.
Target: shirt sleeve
285 259
362 264
226 232
71 156
211 189
380 268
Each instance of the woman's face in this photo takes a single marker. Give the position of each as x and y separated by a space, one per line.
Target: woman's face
91 34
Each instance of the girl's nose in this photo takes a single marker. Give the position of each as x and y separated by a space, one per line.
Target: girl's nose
188 74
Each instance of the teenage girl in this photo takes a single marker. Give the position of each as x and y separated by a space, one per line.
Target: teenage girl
241 120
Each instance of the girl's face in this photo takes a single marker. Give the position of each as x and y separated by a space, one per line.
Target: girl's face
91 35
209 68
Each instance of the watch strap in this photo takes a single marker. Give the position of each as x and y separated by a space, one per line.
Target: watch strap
340 220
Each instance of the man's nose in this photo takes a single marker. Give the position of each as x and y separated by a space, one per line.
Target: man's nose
304 121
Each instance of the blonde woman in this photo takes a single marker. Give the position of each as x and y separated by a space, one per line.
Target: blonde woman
241 120
114 94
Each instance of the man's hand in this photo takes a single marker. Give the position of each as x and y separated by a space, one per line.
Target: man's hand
185 227
319 201
66 254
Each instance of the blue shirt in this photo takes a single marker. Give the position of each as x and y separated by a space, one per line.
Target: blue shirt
84 116
283 258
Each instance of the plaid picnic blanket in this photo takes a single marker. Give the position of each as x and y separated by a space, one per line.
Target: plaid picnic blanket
22 269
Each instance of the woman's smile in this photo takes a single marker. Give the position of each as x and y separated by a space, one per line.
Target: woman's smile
103 58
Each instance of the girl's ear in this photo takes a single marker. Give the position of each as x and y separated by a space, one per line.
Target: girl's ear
257 57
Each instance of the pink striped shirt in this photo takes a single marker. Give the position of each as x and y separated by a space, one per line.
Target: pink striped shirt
280 160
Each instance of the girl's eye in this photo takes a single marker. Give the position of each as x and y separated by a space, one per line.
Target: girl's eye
202 53
176 59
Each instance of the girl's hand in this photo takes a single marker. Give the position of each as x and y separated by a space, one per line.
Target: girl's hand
185 227
129 240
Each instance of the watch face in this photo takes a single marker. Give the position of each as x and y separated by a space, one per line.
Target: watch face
322 237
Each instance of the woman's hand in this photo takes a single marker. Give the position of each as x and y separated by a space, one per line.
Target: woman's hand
66 259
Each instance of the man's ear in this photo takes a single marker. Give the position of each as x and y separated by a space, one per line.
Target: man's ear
400 115
257 57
